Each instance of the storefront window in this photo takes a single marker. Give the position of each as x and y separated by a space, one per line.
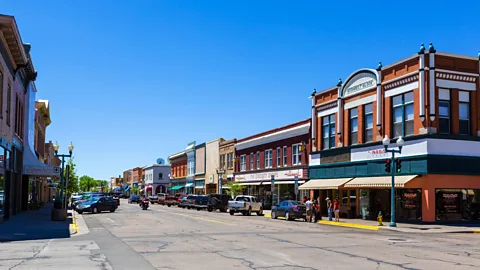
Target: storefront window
457 204
7 159
408 204
2 193
2 157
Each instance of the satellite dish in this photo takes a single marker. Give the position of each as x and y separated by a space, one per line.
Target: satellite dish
160 161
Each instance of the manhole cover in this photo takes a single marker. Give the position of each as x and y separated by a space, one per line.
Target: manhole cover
397 240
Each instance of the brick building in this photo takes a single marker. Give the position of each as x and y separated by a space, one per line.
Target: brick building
281 153
226 160
178 172
431 100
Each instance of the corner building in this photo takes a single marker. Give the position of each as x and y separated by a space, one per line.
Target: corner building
431 100
281 153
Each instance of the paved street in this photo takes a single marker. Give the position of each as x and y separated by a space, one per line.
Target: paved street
174 238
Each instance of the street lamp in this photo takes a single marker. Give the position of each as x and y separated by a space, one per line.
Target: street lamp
400 143
70 150
220 173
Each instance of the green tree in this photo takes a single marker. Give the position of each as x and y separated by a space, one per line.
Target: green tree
73 180
234 189
87 183
135 190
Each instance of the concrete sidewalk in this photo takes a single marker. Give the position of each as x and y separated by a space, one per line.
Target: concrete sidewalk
37 224
401 227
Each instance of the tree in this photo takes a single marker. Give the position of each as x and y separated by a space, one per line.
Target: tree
135 190
87 183
73 180
234 189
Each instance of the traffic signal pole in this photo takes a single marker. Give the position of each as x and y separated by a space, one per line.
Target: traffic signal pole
392 203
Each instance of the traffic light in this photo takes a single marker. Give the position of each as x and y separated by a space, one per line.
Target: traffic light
388 165
398 165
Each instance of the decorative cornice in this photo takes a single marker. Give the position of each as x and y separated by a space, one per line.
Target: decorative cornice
401 82
455 77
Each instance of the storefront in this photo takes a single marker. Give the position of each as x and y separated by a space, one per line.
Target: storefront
200 186
177 186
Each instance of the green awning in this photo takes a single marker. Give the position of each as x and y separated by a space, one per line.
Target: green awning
176 187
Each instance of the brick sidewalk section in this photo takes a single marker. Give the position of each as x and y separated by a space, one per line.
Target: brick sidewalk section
36 224
401 227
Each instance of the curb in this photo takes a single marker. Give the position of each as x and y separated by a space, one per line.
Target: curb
73 224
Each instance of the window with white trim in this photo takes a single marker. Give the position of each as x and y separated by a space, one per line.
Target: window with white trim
444 112
328 129
285 156
296 154
252 161
243 163
368 122
258 160
353 126
268 158
230 160
464 112
222 161
279 157
402 114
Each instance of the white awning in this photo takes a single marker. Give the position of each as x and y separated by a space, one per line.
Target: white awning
333 183
380 181
31 164
250 183
189 185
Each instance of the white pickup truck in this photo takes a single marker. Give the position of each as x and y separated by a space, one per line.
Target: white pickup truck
246 205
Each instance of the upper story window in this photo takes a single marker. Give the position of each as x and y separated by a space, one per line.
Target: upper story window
9 103
444 111
1 93
285 156
268 158
252 161
328 129
191 167
296 155
464 112
258 160
279 157
353 126
230 160
243 163
368 122
403 114
222 161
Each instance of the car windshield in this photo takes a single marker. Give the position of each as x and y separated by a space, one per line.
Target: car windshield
242 199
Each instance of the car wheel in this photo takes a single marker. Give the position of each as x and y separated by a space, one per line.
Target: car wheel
112 210
169 205
287 216
260 212
232 213
274 215
80 212
198 209
95 210
249 212
209 209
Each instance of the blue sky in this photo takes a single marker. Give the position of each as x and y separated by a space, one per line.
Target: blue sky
131 81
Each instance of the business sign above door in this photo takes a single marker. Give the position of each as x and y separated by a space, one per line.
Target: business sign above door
41 170
266 176
361 81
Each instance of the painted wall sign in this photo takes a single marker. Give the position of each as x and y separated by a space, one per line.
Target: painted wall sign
42 171
359 83
266 176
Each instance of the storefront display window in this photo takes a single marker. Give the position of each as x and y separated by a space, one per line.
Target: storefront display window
408 204
457 204
2 193
7 159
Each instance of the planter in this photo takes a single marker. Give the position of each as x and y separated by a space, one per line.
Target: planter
59 214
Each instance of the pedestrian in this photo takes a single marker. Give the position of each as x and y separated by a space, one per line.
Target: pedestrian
318 214
305 199
309 205
329 208
336 209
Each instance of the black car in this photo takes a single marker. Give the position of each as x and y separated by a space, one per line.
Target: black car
201 202
189 202
134 199
97 205
218 201
290 210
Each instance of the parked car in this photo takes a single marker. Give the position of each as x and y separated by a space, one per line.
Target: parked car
189 201
134 199
290 210
245 205
218 201
172 200
161 198
182 201
86 197
153 199
201 202
97 205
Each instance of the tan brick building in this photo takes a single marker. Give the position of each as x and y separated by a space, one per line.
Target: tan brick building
227 160
431 100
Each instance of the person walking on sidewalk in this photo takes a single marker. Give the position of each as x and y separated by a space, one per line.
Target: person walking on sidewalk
309 205
329 208
336 209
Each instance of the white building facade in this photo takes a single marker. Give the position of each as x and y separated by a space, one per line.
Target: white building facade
157 178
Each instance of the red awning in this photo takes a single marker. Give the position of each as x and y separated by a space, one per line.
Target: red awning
149 187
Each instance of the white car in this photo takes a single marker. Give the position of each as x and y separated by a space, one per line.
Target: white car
245 205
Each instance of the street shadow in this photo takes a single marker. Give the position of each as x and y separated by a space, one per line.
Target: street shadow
35 225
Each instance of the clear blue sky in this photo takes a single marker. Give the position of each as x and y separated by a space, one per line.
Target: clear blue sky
131 81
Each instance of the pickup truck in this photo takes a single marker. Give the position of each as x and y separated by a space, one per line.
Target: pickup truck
153 199
245 205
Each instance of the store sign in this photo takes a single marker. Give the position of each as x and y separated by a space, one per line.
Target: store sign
279 175
412 148
42 171
362 81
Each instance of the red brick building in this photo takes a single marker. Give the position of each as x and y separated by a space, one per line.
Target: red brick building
282 153
178 173
430 99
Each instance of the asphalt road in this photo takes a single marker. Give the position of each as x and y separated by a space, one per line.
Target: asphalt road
174 238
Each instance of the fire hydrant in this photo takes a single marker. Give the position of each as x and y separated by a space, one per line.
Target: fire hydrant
380 219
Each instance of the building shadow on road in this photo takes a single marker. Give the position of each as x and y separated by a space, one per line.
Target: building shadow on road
35 225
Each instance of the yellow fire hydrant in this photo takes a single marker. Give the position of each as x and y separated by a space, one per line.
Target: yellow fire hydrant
380 219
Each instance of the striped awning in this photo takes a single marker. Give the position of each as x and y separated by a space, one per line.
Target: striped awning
380 181
333 183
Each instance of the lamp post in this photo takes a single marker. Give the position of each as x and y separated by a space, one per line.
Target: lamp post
386 142
220 173
62 178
